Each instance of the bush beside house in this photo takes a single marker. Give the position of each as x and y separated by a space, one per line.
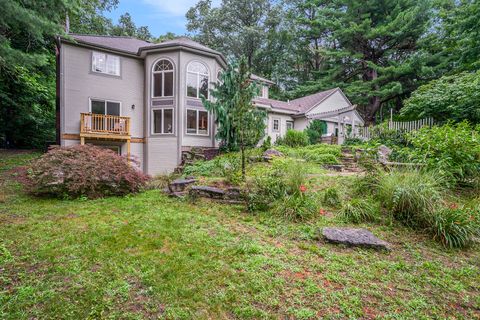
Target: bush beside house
84 170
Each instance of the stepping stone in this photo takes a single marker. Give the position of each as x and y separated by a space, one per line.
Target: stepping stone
179 185
354 237
207 192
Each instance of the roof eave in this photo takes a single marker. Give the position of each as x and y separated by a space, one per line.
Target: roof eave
96 46
159 48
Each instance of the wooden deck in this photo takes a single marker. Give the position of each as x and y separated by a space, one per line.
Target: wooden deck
105 127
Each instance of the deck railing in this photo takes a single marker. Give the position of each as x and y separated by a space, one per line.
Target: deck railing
104 124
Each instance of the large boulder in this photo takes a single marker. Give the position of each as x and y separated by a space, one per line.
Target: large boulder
354 237
384 153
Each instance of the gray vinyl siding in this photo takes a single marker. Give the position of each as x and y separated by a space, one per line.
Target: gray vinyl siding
189 140
161 155
162 151
81 84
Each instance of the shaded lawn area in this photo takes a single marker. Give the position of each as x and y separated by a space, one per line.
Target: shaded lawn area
149 256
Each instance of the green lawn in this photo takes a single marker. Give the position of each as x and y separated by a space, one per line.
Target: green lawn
149 256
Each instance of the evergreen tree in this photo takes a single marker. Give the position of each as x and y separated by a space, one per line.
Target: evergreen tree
368 48
240 124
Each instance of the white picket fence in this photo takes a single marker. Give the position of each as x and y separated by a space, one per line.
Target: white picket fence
366 133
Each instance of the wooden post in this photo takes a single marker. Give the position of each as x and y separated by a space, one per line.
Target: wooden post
128 150
82 140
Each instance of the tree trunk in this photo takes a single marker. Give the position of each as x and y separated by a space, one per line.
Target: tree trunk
242 150
374 101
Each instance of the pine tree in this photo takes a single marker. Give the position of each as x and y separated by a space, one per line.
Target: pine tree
240 124
369 48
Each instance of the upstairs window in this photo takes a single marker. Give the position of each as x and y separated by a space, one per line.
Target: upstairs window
105 63
162 78
197 80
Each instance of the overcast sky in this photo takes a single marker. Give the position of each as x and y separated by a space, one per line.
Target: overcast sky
161 16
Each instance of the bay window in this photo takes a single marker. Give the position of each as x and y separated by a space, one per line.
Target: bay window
197 80
162 121
162 79
197 122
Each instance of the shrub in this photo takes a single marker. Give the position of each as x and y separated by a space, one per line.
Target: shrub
296 206
281 189
451 97
315 130
410 195
331 197
455 227
319 153
359 210
219 166
267 143
294 138
84 170
451 149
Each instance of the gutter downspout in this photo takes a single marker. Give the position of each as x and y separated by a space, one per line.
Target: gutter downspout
57 89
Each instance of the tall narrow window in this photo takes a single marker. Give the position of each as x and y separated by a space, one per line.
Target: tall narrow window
162 79
197 80
197 122
105 63
276 125
162 121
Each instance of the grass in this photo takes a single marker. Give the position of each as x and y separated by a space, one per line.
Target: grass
149 256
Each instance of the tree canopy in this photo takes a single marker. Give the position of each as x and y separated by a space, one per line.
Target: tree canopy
454 97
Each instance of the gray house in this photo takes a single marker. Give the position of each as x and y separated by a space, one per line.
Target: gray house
143 99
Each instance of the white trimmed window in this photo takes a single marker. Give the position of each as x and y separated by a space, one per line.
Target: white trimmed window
162 121
197 80
105 63
276 125
98 106
289 125
162 79
197 122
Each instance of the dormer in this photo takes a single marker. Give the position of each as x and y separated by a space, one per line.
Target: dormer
264 85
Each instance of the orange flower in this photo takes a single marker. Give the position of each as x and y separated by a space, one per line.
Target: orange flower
323 212
453 205
303 188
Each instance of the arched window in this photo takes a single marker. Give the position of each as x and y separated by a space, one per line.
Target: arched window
162 78
197 80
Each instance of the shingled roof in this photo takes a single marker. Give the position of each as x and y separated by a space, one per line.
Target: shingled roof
124 44
297 106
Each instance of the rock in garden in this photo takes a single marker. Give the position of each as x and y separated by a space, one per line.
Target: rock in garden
179 185
234 193
272 153
207 192
384 153
354 237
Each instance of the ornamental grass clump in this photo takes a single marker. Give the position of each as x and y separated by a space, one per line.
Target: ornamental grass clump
410 196
455 227
282 190
331 197
84 170
359 210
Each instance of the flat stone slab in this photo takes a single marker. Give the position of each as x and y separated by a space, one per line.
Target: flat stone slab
208 192
179 185
354 237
